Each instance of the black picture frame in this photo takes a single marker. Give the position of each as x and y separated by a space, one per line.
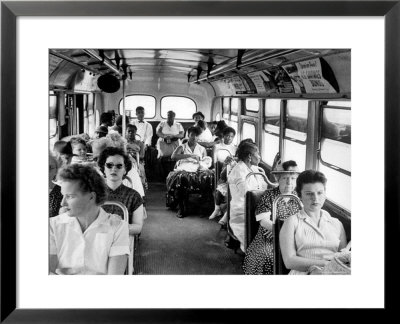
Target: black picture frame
10 10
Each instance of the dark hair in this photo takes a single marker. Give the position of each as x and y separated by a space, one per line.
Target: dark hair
139 108
131 126
172 112
194 129
309 176
199 113
106 118
245 149
77 140
62 147
89 179
228 130
286 165
221 125
118 120
111 151
201 124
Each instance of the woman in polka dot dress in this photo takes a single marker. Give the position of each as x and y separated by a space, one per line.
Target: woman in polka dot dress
259 256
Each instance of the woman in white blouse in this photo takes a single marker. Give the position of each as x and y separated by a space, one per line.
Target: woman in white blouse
249 158
311 237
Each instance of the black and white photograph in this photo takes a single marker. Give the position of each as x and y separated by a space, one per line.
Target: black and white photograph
200 161
197 161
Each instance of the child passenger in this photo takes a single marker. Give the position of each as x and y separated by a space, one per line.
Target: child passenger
79 150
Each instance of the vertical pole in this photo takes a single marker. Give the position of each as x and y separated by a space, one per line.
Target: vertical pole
123 109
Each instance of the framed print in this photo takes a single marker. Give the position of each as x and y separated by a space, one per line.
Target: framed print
31 30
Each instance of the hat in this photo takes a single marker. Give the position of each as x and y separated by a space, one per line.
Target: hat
280 170
102 129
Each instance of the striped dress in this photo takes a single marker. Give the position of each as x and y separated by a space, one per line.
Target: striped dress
315 242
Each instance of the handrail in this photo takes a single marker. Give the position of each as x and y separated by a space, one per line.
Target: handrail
274 218
278 199
272 184
220 149
120 205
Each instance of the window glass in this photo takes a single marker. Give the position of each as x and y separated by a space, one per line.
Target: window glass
249 131
339 103
183 107
296 115
133 101
235 102
272 112
336 153
270 147
226 105
53 127
338 187
253 104
336 124
52 106
218 117
296 152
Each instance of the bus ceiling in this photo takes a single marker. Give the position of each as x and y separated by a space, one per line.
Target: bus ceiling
248 72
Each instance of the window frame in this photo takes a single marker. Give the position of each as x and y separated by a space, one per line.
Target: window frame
179 96
139 94
320 159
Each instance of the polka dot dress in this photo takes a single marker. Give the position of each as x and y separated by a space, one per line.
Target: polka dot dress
259 256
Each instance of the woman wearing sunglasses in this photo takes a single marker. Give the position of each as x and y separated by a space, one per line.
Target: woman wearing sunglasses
115 164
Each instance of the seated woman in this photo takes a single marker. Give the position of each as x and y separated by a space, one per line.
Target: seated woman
62 152
190 153
135 148
79 150
205 139
115 164
249 157
311 237
223 153
259 256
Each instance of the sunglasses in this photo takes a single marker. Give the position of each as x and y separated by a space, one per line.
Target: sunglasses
111 165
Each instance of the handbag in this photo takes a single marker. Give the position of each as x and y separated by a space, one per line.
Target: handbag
339 265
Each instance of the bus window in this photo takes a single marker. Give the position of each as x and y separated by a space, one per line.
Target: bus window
183 107
296 132
235 106
133 101
271 132
249 131
335 152
234 124
252 104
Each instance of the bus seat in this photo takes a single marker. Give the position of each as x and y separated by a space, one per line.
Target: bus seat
132 238
231 241
252 199
267 171
279 265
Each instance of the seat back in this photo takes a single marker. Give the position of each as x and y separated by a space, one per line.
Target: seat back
132 239
279 265
252 199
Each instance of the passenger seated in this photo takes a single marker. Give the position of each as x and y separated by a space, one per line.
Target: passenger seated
79 150
219 131
115 164
249 157
223 154
85 239
259 256
205 139
221 193
311 237
192 155
63 152
100 132
135 147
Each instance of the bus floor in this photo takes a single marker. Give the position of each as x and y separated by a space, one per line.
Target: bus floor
190 245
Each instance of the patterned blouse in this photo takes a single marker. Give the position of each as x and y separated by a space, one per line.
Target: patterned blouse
284 209
129 197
